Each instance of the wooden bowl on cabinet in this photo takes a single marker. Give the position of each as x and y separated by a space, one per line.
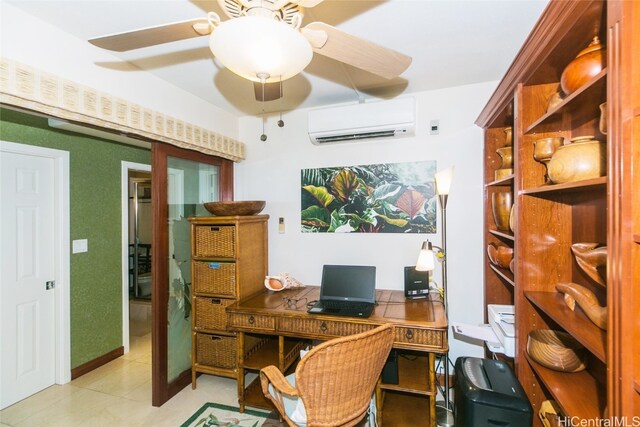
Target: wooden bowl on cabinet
556 350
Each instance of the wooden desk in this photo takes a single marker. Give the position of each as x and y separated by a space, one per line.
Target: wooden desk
420 325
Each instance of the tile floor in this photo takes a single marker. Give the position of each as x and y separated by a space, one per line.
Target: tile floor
117 394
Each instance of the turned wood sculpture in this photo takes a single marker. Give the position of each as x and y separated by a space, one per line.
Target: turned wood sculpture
589 258
574 293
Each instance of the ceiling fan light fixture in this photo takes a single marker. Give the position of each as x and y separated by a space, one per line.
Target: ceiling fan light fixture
253 45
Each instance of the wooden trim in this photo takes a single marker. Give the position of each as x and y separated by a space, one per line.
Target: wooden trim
96 363
556 20
162 390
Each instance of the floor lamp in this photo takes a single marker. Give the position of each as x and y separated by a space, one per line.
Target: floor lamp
444 415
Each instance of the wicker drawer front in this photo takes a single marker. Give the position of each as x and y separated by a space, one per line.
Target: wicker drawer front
216 350
214 278
324 327
424 337
257 323
210 313
215 241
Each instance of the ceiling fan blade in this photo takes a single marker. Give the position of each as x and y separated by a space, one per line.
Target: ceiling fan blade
271 91
307 3
152 36
355 51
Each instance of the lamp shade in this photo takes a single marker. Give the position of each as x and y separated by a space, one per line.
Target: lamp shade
253 45
425 258
443 180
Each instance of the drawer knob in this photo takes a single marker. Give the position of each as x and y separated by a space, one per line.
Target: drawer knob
252 320
216 301
409 334
323 327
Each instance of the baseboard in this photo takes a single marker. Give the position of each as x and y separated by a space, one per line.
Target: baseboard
96 363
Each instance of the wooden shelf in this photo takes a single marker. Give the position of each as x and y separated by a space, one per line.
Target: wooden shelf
268 354
404 409
508 181
506 275
503 234
254 397
575 323
211 370
413 374
577 393
577 186
592 93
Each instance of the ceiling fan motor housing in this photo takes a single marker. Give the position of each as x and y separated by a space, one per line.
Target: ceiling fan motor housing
281 10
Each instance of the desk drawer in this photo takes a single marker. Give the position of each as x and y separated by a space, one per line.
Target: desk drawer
315 327
428 338
253 322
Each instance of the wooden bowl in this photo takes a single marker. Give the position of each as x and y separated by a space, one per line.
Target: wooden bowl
500 255
584 158
235 208
556 350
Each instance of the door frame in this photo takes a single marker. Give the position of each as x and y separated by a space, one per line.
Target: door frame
124 197
62 246
162 389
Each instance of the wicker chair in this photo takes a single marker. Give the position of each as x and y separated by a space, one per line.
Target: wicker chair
335 380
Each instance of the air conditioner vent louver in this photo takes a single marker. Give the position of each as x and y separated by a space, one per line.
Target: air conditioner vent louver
356 136
359 122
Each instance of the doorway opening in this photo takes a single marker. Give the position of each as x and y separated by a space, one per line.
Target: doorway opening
137 225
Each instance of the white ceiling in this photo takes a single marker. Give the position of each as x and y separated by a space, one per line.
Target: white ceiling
452 43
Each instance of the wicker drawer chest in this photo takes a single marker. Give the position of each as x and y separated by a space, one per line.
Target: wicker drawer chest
228 263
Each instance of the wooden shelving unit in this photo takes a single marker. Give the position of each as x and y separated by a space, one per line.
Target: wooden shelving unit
549 218
229 262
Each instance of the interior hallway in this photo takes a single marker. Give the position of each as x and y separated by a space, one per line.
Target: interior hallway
118 394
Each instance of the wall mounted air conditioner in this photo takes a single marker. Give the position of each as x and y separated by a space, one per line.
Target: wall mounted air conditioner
366 121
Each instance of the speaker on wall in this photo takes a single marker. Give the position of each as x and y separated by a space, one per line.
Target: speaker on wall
416 283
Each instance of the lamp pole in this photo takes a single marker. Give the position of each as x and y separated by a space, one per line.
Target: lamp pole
445 416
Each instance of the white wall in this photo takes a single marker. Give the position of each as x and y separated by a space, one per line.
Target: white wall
31 41
272 173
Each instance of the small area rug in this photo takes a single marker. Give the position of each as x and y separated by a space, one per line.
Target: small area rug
214 414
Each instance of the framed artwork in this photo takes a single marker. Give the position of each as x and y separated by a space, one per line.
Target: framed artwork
381 198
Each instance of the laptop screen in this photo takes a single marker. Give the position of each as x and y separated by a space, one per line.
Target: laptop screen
348 283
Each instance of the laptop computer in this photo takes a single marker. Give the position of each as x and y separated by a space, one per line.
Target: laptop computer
346 290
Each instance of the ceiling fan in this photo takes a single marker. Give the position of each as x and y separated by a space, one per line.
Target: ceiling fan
263 41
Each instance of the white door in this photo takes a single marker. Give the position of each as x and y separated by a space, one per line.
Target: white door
27 319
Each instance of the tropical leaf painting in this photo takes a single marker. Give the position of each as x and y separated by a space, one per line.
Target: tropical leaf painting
382 198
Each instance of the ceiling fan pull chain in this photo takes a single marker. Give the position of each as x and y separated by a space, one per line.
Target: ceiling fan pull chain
263 78
214 19
280 122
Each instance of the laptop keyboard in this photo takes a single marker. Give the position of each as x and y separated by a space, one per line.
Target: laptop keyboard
345 305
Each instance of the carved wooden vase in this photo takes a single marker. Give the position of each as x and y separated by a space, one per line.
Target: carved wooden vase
589 62
506 168
501 203
543 150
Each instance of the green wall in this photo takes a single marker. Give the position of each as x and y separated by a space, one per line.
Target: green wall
96 283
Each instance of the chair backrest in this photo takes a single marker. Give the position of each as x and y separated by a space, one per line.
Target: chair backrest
337 378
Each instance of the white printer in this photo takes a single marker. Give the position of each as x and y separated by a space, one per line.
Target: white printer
499 334
502 321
